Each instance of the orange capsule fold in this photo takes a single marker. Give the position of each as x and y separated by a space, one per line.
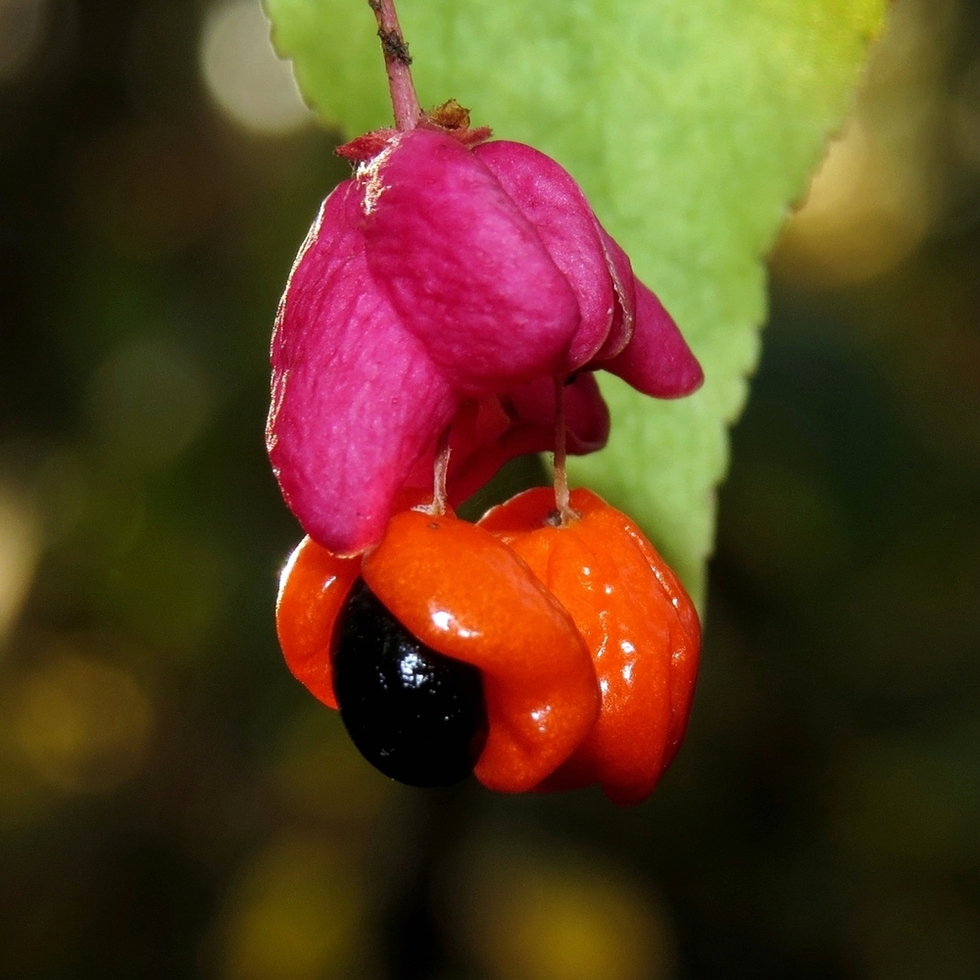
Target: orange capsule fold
639 624
464 593
313 588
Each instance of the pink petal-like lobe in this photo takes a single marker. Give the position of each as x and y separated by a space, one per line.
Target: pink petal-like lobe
489 431
356 399
554 204
449 286
657 360
466 272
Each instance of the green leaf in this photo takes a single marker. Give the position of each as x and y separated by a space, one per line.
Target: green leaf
692 127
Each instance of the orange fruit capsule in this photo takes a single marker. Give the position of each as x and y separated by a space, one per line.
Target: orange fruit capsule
641 628
465 594
313 588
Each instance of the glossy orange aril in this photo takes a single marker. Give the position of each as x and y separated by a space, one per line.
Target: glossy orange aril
464 593
313 587
586 642
641 628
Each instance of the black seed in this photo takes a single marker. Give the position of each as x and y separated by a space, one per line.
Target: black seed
413 713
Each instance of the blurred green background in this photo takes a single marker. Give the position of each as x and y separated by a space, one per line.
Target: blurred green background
173 804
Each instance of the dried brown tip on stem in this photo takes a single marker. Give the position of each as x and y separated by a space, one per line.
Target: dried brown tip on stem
404 101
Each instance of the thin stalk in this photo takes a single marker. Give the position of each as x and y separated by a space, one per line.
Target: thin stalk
404 100
565 511
440 468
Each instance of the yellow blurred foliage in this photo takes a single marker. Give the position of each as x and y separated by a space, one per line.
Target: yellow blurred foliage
296 914
82 726
877 193
20 547
545 917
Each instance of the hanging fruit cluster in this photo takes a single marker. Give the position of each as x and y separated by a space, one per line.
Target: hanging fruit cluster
447 312
539 654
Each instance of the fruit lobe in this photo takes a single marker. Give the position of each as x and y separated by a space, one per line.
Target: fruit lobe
640 626
313 588
464 593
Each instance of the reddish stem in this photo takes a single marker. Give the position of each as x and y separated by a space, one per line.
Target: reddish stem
440 469
565 511
404 101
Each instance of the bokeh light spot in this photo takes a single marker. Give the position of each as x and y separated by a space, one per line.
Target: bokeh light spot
876 195
543 917
864 214
296 914
251 84
20 546
82 725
